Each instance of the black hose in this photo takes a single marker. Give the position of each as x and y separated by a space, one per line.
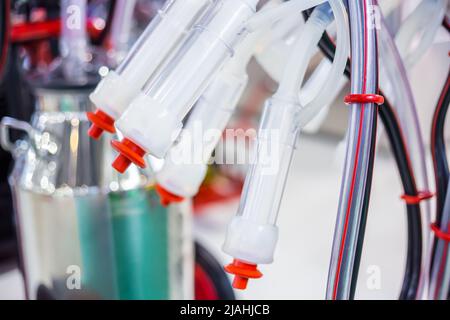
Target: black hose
215 272
414 252
446 23
440 161
438 149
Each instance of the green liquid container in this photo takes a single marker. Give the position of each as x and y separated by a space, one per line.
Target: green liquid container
140 236
98 271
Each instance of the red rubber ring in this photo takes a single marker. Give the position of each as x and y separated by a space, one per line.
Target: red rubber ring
129 152
445 236
417 199
243 272
364 99
167 198
100 122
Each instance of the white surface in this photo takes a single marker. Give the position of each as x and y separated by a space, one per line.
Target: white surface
11 286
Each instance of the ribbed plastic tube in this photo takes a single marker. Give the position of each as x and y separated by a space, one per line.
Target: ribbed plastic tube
351 212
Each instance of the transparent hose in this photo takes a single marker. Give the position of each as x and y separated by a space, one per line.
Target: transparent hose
312 33
340 61
396 86
267 17
316 92
121 26
418 31
350 219
305 45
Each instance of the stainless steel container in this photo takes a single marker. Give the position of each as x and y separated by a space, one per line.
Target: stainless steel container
85 231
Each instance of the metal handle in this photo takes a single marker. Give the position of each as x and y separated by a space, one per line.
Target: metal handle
6 125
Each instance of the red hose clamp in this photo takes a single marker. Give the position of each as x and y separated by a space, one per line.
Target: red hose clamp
417 199
364 99
242 273
440 234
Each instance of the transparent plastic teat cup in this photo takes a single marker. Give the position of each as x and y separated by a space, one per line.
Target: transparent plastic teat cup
253 234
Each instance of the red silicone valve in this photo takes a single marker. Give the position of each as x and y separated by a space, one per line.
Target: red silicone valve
243 272
100 122
129 153
167 198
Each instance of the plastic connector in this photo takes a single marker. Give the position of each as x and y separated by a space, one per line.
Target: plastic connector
129 152
100 122
242 273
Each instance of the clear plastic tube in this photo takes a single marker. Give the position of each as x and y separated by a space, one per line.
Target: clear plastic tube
253 234
359 144
268 17
396 86
185 165
327 77
393 15
154 119
418 31
312 89
163 34
153 48
73 42
440 274
312 108
305 46
121 27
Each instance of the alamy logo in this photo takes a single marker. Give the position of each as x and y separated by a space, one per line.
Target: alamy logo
231 147
374 17
374 278
74 17
73 281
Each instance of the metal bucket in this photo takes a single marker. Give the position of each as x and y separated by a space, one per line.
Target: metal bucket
85 231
